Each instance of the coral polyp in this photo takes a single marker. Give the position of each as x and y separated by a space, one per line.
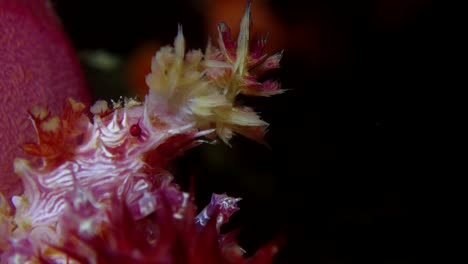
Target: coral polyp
97 189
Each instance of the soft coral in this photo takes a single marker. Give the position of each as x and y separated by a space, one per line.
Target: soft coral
37 67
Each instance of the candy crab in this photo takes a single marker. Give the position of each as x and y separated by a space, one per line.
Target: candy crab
97 190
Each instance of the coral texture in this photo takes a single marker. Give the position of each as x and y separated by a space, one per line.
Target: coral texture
37 67
97 190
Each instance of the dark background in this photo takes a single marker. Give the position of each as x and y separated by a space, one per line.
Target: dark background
350 141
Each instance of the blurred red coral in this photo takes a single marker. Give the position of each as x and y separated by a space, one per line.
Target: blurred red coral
38 67
170 235
139 64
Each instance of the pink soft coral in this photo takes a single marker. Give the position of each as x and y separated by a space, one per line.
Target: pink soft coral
37 67
98 191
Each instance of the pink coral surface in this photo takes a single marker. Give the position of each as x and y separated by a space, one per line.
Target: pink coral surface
38 67
97 190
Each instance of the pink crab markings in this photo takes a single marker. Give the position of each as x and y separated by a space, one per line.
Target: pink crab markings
109 156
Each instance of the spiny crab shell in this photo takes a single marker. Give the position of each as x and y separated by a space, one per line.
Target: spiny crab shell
92 181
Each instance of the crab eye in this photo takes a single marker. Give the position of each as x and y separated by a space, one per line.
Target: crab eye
135 130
